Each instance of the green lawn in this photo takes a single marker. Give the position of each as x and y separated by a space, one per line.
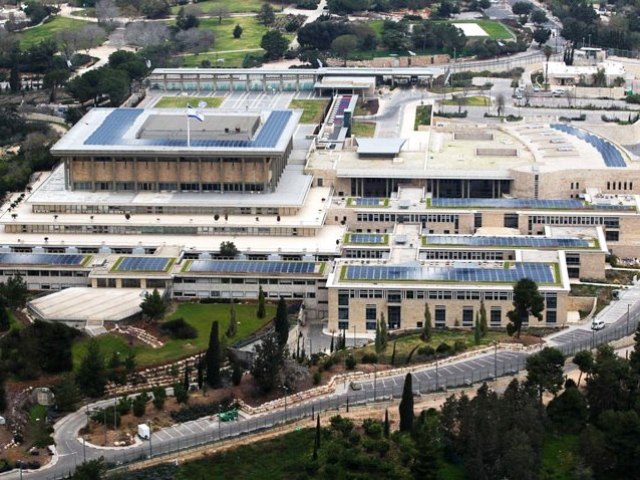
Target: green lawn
242 6
312 109
363 129
251 35
199 316
181 102
495 29
471 101
559 457
35 35
423 116
377 26
85 12
232 59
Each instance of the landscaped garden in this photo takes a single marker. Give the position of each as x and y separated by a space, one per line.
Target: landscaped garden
230 6
199 316
47 30
423 116
312 110
363 129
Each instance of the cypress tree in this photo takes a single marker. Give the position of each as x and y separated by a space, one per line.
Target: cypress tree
477 332
232 329
426 327
282 323
378 340
212 358
261 312
331 346
484 328
200 368
387 428
185 382
316 443
406 405
393 355
344 339
384 334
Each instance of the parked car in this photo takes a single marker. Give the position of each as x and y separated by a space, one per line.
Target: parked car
597 325
557 93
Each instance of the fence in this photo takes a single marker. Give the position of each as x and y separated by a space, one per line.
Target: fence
425 380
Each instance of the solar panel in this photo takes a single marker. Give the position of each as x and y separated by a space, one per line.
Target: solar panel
367 238
367 201
538 272
142 264
248 266
116 124
610 154
507 203
40 259
494 241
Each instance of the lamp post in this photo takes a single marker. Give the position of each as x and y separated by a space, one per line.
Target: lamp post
150 437
628 314
495 359
354 336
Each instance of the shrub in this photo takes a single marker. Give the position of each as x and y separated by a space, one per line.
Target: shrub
236 373
443 348
328 363
317 377
459 346
182 396
124 406
193 412
159 397
370 358
427 351
373 428
178 329
350 362
140 404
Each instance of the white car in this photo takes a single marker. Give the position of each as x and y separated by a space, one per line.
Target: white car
536 88
557 93
597 325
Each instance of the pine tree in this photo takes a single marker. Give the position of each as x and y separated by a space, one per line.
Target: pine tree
232 329
212 358
406 405
426 327
92 375
484 327
282 322
261 312
387 427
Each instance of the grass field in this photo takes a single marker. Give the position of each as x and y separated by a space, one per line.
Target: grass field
35 35
85 12
494 29
363 129
181 102
251 35
199 316
471 101
312 109
241 6
231 59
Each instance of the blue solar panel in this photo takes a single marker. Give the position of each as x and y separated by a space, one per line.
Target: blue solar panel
143 264
112 129
610 154
538 272
367 238
506 203
540 242
366 202
248 266
40 259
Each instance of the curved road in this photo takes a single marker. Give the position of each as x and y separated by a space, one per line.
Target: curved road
427 378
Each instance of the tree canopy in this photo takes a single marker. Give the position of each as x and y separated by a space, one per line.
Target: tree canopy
527 302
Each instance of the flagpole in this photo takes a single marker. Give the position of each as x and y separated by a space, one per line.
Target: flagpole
188 131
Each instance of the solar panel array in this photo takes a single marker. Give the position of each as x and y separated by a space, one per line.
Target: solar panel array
507 203
113 128
248 266
367 238
366 201
610 154
538 272
143 264
540 242
40 259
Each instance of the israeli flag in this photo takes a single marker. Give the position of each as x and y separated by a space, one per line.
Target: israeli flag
193 113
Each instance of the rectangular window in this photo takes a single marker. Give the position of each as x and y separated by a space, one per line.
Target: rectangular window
440 316
477 220
371 313
394 296
343 325
343 298
467 316
370 325
552 301
552 316
168 186
495 316
612 236
511 220
343 314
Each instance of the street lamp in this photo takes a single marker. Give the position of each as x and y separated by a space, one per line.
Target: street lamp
495 359
628 314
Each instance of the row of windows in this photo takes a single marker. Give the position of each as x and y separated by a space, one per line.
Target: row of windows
183 160
44 273
621 186
350 253
240 294
392 217
609 222
148 209
170 186
398 295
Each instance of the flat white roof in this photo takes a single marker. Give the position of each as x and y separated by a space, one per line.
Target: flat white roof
90 304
